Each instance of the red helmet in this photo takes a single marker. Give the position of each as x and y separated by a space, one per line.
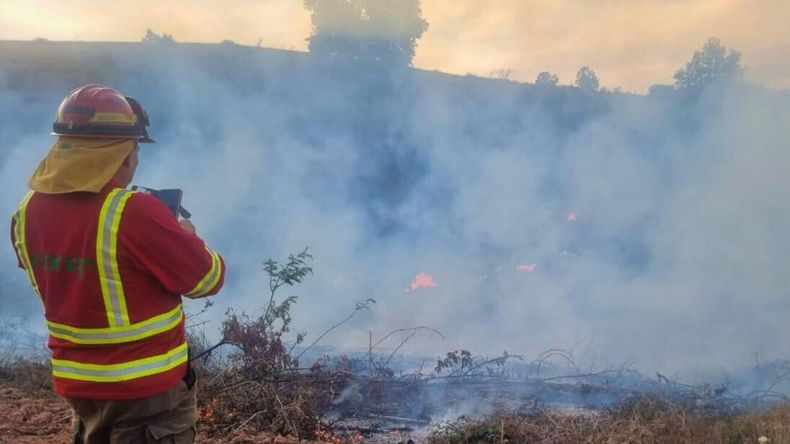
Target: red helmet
97 111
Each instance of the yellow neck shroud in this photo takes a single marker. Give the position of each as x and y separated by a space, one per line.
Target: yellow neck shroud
79 164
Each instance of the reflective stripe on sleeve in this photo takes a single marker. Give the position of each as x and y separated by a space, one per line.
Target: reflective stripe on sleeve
123 371
20 241
211 278
118 335
106 257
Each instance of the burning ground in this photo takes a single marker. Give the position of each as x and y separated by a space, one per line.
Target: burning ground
606 407
259 391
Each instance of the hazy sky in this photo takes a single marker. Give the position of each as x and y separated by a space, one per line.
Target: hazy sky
628 43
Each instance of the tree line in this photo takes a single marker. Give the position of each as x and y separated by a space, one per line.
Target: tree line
385 33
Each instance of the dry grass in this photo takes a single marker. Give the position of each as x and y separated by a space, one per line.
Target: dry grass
260 386
644 420
27 375
278 408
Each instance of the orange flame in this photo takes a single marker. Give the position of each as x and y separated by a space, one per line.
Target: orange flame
326 436
422 280
206 414
529 267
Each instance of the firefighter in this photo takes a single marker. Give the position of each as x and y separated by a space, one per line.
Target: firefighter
110 266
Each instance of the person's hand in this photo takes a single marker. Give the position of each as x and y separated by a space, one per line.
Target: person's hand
186 224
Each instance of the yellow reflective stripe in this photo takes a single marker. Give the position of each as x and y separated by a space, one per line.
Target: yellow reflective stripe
106 257
211 278
112 117
116 222
118 335
20 242
123 371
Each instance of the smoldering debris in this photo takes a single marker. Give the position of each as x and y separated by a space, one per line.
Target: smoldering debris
357 401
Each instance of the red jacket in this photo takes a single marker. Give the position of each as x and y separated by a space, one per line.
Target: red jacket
110 269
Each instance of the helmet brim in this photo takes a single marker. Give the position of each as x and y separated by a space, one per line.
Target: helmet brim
142 139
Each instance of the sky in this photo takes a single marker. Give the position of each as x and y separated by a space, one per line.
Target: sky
630 44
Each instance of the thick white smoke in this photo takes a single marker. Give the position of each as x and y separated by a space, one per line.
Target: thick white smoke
675 258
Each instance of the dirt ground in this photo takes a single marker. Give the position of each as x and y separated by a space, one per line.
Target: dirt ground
33 418
41 417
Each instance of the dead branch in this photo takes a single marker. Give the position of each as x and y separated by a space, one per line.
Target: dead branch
415 330
359 306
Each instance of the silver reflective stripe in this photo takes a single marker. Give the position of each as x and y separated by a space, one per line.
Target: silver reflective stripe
108 257
116 334
163 364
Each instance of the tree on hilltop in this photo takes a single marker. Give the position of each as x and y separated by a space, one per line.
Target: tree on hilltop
366 30
546 78
586 80
709 65
152 37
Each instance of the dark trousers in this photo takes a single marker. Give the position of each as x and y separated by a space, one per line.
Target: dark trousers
169 417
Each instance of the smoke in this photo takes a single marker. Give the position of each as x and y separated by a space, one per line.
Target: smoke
654 228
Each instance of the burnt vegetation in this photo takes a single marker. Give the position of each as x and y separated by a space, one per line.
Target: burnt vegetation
254 382
638 420
256 379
